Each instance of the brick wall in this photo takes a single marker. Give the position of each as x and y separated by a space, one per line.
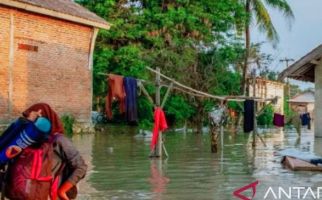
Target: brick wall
4 61
50 64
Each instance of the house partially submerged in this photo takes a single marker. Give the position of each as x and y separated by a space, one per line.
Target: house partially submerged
303 102
46 50
309 68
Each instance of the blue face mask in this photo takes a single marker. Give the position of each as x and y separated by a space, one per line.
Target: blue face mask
43 124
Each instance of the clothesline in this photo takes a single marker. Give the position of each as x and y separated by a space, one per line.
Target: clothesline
186 89
139 80
194 92
228 98
162 85
142 80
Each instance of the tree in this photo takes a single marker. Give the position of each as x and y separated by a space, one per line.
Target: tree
262 61
256 10
259 59
190 41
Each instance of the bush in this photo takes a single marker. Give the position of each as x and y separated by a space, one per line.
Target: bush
266 118
68 122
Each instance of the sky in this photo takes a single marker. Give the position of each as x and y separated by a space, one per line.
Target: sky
297 38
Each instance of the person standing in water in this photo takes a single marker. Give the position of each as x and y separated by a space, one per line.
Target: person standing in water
67 165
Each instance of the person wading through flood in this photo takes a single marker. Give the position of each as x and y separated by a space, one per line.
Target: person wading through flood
67 165
217 118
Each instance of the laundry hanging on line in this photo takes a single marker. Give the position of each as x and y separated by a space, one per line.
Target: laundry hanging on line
123 89
248 115
160 124
116 91
305 118
278 120
130 86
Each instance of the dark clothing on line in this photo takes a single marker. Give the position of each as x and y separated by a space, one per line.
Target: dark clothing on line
305 119
130 86
248 115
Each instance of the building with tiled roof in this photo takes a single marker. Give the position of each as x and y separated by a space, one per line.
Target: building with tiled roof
303 102
46 50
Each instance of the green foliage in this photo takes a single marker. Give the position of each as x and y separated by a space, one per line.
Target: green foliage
194 42
68 122
180 108
145 113
256 10
260 13
266 118
292 89
289 113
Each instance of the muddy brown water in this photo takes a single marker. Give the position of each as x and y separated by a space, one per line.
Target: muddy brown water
119 167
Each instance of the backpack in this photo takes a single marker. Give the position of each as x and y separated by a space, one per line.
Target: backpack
30 175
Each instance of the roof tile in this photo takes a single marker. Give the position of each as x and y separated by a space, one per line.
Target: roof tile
67 7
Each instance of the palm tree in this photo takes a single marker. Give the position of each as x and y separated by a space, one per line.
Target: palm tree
256 10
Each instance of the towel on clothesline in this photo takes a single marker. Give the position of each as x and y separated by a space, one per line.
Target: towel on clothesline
160 124
116 91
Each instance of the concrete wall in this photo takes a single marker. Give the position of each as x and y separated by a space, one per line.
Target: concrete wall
318 102
44 59
310 109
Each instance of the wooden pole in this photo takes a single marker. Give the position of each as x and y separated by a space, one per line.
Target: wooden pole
222 128
197 92
166 95
183 86
255 133
255 122
157 102
145 92
222 137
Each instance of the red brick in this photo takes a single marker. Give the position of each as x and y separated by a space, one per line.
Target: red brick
57 73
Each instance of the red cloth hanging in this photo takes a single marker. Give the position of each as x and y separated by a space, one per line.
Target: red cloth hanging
116 90
160 124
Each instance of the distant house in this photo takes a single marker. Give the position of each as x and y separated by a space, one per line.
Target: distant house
309 68
304 102
268 89
46 49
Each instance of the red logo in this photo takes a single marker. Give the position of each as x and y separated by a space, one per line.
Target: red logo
238 192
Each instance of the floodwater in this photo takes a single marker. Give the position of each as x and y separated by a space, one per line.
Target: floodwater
119 166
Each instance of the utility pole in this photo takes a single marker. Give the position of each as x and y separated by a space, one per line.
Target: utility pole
286 60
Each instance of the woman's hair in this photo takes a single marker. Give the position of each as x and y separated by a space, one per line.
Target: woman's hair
49 113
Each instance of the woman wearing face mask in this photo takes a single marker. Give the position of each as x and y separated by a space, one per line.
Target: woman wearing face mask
68 167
